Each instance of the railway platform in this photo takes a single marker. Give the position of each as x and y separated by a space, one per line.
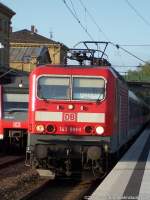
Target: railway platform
130 178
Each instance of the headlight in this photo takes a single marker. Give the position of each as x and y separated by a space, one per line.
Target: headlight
70 107
99 130
89 129
40 128
51 128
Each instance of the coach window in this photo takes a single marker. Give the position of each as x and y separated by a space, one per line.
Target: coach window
53 87
88 88
15 106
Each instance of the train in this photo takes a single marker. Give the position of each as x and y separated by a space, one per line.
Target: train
79 116
14 115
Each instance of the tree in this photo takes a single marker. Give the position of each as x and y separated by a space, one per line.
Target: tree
141 74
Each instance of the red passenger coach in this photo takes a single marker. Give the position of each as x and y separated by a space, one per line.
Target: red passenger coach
13 114
78 115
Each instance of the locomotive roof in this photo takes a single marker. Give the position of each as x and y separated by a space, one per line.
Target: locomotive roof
85 67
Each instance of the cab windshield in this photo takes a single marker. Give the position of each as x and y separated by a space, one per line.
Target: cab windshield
88 88
71 88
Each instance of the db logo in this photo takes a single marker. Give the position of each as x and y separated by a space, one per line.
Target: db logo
69 117
17 124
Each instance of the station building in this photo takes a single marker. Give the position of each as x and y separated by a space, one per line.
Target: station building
29 49
5 25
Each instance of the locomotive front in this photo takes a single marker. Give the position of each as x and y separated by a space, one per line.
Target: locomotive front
70 124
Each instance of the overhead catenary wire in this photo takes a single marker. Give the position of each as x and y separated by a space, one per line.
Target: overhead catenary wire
125 66
7 72
94 21
73 8
78 20
128 52
135 45
118 46
120 56
90 36
137 13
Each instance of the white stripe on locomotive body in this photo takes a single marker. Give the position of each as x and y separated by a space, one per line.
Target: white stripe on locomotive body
91 117
48 116
81 117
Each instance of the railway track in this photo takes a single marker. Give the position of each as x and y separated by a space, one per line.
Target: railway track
22 183
71 189
6 160
17 180
64 190
11 170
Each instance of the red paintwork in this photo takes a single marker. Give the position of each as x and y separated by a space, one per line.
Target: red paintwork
14 124
10 124
1 129
107 106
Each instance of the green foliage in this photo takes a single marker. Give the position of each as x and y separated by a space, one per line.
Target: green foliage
142 73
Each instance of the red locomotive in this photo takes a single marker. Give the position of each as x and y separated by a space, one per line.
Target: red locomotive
13 114
78 115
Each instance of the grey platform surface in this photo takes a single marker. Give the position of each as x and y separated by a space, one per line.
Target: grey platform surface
130 178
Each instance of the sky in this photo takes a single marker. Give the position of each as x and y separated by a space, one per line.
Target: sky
116 20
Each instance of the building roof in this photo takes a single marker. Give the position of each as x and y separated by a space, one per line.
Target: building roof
7 11
26 36
25 54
